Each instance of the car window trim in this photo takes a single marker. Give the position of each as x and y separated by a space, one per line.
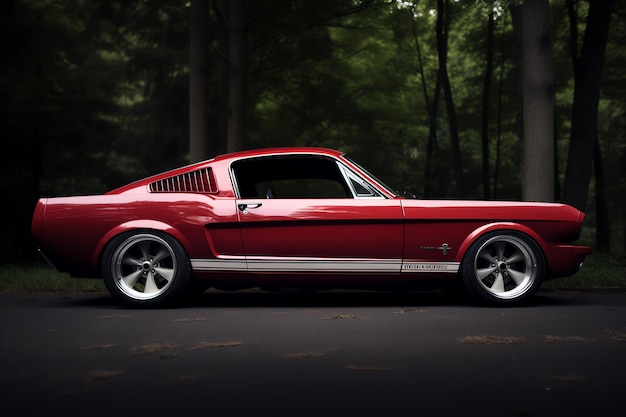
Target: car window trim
349 175
346 172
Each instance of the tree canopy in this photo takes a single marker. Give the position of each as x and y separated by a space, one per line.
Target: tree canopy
425 93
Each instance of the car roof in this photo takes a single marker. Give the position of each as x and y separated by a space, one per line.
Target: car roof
278 150
228 157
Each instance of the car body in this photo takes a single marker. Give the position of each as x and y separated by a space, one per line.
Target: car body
300 217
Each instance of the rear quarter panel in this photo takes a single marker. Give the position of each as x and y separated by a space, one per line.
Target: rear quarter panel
73 231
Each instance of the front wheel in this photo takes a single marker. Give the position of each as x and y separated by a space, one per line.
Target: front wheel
146 268
503 268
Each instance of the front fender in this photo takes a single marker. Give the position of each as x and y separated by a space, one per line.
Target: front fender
501 227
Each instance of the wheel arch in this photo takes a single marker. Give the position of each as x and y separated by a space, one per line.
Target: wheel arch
136 225
501 227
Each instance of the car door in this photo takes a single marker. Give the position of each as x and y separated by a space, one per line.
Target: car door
321 224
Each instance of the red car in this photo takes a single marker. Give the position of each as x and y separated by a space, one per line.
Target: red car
300 217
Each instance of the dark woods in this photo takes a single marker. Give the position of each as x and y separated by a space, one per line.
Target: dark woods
441 98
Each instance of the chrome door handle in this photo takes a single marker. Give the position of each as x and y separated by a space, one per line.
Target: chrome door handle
245 206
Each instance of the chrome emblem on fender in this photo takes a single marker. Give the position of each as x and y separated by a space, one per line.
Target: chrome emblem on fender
444 248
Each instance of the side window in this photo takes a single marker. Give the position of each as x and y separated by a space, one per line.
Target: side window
301 188
290 176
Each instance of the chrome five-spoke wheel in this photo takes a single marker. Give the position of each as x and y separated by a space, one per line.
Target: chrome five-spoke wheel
145 268
503 268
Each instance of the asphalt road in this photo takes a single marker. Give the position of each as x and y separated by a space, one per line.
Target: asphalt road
328 354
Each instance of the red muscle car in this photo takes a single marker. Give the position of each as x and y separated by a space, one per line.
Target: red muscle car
300 217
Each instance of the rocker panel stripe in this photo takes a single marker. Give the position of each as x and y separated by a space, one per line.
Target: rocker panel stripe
338 265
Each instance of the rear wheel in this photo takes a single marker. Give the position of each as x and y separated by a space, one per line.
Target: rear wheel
146 268
503 268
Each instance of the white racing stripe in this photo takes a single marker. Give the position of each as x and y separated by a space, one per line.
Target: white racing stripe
323 265
231 263
339 265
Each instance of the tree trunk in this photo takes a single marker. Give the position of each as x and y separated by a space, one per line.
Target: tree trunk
603 226
223 110
430 172
588 73
532 25
496 170
198 81
238 68
442 48
431 109
485 115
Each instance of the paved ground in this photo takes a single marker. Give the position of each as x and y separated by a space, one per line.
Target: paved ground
329 354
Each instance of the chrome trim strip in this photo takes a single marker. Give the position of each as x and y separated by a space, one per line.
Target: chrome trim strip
414 267
348 175
220 264
306 264
343 168
269 264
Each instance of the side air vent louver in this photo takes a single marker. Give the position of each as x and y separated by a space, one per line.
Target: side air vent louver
200 181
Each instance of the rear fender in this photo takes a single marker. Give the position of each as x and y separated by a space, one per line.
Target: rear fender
136 225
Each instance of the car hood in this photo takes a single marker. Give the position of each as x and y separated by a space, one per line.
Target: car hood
490 210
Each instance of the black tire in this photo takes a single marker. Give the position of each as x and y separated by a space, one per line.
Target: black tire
146 268
503 268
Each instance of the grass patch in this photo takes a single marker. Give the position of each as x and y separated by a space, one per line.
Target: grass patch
600 271
41 278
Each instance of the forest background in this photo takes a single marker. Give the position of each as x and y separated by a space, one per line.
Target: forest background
436 97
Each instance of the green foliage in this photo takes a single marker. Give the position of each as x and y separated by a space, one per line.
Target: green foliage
95 93
600 272
17 279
